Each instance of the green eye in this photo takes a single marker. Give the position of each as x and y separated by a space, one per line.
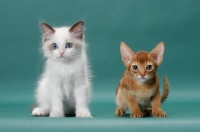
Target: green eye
149 67
135 67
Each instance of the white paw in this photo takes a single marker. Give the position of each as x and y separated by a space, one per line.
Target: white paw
57 114
38 112
84 113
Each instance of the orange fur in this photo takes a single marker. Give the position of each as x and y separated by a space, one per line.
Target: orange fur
139 89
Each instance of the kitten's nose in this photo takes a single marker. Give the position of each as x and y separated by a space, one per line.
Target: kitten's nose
142 75
61 53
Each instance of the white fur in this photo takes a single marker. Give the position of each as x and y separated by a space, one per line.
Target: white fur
64 87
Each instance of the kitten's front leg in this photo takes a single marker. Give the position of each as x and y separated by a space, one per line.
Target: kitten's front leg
56 98
81 98
156 106
133 106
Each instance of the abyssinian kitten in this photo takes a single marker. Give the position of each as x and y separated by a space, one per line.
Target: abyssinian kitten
139 89
64 87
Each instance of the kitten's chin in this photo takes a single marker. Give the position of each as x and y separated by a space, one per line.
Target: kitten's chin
59 58
64 59
142 79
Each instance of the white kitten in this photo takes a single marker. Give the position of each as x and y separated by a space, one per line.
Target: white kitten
64 87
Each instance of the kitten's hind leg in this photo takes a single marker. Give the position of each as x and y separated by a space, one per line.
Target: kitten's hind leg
121 103
40 111
83 113
42 106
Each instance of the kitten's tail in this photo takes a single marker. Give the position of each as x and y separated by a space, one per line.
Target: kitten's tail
166 90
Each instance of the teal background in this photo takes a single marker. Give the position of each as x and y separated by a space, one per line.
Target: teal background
140 23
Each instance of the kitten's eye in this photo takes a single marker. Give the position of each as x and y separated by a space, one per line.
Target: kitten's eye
54 46
149 67
135 67
68 45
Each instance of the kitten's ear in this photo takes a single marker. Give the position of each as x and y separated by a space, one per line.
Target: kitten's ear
47 30
157 53
77 29
126 53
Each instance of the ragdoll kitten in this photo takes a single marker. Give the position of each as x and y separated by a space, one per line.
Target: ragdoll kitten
139 88
64 87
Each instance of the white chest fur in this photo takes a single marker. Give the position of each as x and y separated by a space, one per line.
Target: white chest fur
63 69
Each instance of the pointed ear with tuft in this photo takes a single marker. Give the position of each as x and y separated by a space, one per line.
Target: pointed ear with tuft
126 53
157 53
77 29
47 30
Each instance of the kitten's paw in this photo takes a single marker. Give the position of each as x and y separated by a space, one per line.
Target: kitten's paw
136 114
38 112
56 114
120 112
159 114
84 113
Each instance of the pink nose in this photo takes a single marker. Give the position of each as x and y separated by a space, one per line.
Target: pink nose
142 75
61 53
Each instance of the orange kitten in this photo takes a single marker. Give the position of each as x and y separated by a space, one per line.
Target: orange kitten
139 88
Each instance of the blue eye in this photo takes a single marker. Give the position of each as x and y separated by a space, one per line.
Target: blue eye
54 46
68 45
